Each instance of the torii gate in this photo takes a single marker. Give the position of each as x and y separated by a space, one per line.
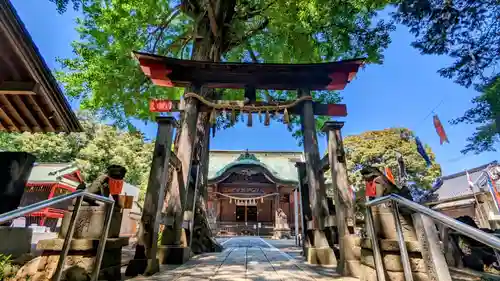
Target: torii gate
195 75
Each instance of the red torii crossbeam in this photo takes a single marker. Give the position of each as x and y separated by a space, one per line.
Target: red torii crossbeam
170 72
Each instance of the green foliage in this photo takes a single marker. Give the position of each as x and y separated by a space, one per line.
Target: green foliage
105 77
467 31
379 149
7 269
93 150
486 113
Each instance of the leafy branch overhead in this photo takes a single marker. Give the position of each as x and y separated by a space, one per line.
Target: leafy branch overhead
380 149
106 79
469 32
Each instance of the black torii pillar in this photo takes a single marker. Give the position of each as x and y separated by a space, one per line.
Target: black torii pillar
318 250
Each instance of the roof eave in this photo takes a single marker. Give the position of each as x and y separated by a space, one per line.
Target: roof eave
26 48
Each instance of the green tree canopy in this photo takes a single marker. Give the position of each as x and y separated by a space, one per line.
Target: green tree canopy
379 149
93 150
469 32
105 77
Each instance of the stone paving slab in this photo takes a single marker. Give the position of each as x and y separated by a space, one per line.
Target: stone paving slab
248 259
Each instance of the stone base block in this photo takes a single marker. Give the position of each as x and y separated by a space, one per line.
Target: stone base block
78 266
282 234
90 222
392 261
173 254
321 256
15 241
370 274
81 244
79 262
385 226
353 268
391 245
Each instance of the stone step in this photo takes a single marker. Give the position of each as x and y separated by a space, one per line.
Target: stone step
388 245
370 274
392 261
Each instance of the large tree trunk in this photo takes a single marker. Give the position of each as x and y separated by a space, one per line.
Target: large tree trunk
206 48
202 236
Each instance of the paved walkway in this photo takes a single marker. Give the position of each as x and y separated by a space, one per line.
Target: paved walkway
248 258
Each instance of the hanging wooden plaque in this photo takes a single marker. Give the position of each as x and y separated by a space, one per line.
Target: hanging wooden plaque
159 105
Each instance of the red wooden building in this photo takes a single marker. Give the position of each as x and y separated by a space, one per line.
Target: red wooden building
45 182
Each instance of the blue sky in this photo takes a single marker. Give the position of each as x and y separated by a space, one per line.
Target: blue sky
407 84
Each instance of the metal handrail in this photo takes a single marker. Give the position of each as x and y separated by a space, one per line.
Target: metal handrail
460 227
79 195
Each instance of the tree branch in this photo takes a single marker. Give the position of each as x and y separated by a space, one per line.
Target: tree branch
184 44
248 35
254 12
164 26
211 17
255 60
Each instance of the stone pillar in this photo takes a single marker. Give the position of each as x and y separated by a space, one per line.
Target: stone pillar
385 227
145 261
344 205
320 251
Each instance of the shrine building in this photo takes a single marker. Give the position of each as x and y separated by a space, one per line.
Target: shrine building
247 191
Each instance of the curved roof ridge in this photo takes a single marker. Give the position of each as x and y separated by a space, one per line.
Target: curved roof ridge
248 159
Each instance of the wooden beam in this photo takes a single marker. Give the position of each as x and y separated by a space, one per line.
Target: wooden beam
50 114
338 110
13 112
47 126
18 88
26 112
11 127
170 72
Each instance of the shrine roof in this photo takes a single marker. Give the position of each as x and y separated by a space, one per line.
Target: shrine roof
171 72
30 97
280 165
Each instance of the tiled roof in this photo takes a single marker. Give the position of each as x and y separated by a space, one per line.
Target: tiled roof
51 172
457 203
280 163
457 184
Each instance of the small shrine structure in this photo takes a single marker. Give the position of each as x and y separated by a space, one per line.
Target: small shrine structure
247 194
